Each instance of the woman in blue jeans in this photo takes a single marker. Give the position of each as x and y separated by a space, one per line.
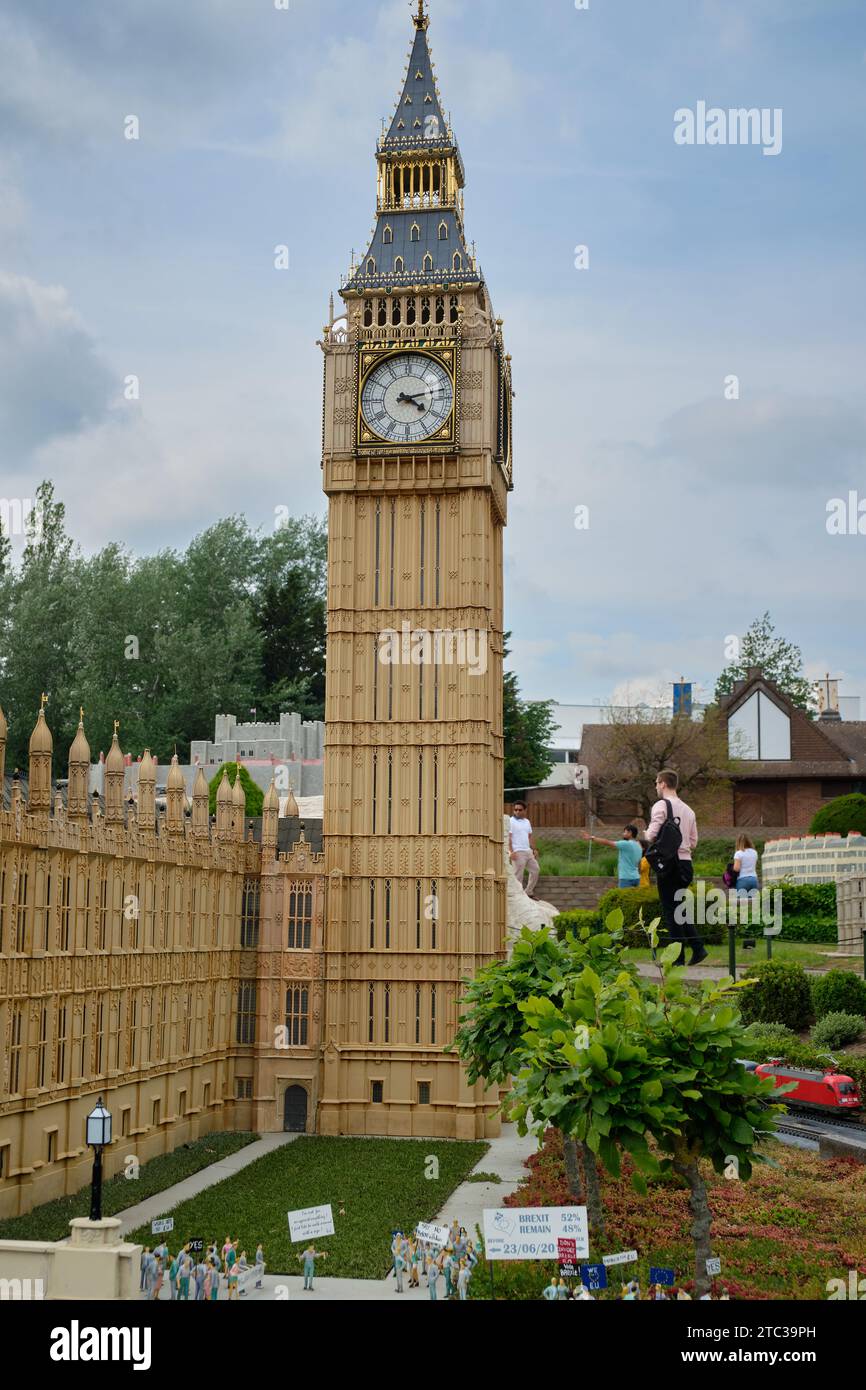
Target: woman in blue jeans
746 865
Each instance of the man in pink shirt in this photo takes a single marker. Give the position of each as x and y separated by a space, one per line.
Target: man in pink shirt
677 879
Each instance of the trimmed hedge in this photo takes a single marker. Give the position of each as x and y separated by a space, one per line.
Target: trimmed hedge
844 814
575 919
839 991
781 995
254 795
631 901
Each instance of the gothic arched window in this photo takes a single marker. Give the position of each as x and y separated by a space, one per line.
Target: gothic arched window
368 313
399 265
425 310
383 313
457 262
371 266
416 232
428 262
443 231
387 235
440 309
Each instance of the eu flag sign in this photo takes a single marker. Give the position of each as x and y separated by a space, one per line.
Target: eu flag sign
683 698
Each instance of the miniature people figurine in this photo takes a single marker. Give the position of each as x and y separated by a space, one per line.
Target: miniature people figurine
309 1257
433 1272
563 1291
399 1266
215 1280
200 1272
551 1293
145 1261
260 1265
583 1295
157 1283
464 1274
630 1291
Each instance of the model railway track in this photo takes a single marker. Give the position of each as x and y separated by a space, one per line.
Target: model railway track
818 1125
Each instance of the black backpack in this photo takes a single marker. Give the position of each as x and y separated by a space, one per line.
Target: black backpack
663 853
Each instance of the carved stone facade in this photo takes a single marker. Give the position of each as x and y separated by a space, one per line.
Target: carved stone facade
417 477
147 960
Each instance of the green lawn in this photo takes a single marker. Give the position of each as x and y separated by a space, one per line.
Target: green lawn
381 1184
51 1220
571 859
809 956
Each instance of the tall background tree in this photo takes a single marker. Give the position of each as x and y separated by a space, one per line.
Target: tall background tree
162 642
780 661
528 728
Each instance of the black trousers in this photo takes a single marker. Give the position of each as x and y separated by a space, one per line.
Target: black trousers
669 885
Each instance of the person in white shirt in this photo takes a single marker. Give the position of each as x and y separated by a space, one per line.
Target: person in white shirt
521 847
746 865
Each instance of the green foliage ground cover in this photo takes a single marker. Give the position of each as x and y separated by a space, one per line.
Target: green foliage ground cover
380 1183
51 1220
781 1235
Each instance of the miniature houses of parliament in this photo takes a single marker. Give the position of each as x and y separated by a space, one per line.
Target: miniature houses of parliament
181 966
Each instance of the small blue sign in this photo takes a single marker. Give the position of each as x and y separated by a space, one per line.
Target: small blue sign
593 1277
661 1276
682 698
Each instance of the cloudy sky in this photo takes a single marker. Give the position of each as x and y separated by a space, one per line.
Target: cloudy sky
154 258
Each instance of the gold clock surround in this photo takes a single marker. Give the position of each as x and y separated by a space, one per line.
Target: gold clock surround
371 356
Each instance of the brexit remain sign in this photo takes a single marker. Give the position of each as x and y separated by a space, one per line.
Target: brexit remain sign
534 1233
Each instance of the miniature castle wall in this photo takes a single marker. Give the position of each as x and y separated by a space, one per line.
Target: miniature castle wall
813 859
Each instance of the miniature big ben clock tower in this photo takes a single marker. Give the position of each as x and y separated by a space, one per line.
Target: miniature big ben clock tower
417 469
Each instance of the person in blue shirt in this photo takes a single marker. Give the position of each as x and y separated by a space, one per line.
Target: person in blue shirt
630 852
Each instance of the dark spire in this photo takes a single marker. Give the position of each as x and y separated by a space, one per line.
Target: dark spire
418 238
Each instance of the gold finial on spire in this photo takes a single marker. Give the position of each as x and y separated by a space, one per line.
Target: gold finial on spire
81 714
421 19
43 700
116 725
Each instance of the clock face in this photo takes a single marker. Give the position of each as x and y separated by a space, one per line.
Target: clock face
407 398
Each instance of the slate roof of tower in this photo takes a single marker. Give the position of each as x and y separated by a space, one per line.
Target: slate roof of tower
419 99
410 127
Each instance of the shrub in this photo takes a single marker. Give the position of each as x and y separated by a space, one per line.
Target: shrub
838 992
844 814
838 1029
781 994
819 930
254 795
807 899
575 919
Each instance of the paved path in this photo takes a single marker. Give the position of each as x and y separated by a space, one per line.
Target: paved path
505 1158
164 1202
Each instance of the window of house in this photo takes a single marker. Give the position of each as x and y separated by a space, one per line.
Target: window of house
51 1147
760 731
157 1107
423 1092
377 1092
243 1088
181 1102
125 1121
205 1095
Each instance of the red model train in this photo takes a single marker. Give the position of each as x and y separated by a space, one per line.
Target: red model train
815 1090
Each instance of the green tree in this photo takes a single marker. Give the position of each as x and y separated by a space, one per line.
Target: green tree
780 661
528 727
489 1039
290 617
616 1062
253 793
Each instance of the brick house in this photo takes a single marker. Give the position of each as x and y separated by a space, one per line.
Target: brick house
787 766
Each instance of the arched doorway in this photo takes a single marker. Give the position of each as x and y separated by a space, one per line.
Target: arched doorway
295 1110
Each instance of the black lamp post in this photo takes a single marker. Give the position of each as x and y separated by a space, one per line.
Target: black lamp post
98 1136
